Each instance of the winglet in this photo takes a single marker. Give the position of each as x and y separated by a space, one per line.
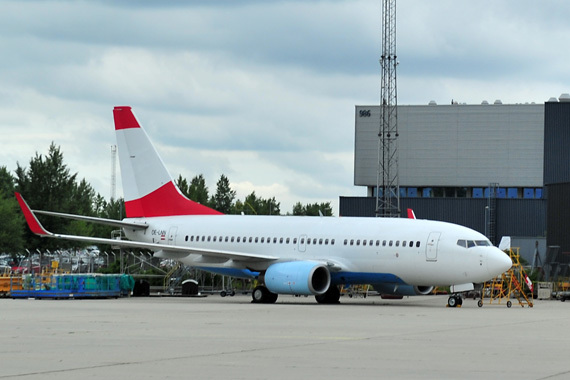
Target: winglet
411 214
31 219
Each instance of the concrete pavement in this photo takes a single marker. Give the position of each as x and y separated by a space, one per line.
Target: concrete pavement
230 338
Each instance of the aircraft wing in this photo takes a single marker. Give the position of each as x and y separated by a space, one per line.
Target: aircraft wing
171 250
109 222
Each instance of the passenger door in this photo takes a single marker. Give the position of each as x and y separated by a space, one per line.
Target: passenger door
431 246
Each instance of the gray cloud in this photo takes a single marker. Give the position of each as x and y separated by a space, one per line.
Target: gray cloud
262 91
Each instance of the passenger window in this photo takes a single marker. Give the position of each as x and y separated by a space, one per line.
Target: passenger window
383 243
326 241
404 243
232 239
315 241
351 241
391 243
186 238
377 243
417 244
332 241
250 239
256 240
358 242
320 241
302 240
364 242
226 239
263 240
345 241
215 238
294 240
275 240
397 243
308 241
238 239
280 240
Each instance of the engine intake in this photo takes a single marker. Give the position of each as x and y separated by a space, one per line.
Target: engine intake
298 277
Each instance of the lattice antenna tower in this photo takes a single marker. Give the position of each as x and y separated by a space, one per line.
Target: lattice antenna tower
113 171
388 188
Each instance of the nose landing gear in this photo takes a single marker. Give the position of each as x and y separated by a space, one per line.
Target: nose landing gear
454 300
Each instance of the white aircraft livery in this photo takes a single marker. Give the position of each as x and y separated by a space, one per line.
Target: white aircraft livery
297 255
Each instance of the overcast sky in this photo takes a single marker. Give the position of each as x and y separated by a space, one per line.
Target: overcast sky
261 91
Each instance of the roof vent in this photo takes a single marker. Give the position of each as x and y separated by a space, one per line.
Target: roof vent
564 97
553 99
485 103
498 101
432 103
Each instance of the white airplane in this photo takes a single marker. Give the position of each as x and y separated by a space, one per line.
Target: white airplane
286 254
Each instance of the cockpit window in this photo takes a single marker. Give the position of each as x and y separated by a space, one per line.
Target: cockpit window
472 243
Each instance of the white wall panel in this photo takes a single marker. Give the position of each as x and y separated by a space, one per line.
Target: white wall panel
457 145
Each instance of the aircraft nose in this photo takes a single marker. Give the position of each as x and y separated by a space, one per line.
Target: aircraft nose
498 262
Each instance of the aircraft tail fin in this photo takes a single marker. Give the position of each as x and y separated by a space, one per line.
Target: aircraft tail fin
148 187
411 214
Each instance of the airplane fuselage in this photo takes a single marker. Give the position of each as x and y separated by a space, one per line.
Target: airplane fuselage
367 250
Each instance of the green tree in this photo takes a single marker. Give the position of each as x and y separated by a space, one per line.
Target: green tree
47 184
224 197
257 206
6 181
198 191
183 186
312 209
11 224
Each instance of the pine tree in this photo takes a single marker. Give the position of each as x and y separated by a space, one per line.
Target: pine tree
224 197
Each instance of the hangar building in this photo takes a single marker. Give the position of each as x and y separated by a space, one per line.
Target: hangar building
486 166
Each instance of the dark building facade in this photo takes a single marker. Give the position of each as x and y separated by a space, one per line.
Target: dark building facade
557 176
523 149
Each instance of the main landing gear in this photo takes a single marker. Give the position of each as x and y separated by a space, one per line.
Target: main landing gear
331 296
455 300
261 294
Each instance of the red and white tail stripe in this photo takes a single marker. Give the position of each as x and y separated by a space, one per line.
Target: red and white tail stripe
147 186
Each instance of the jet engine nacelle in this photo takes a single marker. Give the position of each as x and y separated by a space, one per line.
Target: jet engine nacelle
403 290
298 277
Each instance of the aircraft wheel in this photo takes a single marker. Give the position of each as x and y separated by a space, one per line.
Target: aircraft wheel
509 304
271 297
331 296
452 301
480 303
258 294
223 293
262 295
459 301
